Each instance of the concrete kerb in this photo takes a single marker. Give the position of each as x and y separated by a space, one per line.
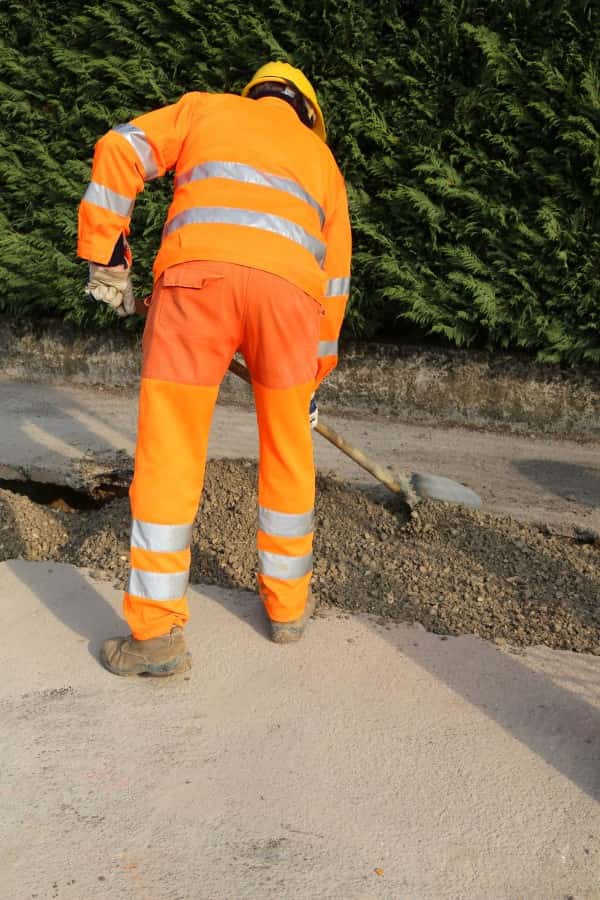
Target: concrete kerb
410 384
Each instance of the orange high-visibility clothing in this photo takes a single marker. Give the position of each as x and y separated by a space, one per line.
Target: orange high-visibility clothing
201 313
255 256
253 186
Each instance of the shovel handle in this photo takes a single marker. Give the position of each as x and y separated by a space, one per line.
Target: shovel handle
397 486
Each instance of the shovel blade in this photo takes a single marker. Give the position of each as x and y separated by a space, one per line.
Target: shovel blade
436 487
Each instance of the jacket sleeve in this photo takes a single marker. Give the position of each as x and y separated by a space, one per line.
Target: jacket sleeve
124 159
337 268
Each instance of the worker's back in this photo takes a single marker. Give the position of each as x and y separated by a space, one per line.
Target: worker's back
253 186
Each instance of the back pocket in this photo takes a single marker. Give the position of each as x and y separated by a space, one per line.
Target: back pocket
191 304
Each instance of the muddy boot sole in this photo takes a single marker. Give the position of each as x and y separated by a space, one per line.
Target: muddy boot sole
184 665
290 632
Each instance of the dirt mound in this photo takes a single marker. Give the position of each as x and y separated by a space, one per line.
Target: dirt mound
454 570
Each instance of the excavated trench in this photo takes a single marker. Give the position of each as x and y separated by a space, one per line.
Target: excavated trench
58 496
454 570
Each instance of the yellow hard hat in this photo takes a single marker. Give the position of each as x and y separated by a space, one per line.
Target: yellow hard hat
284 73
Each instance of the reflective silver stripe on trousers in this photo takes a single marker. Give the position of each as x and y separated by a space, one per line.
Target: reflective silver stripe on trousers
160 538
157 585
337 287
226 215
327 348
285 524
107 199
276 565
248 175
138 140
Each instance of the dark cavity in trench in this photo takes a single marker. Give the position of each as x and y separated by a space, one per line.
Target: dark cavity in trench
62 496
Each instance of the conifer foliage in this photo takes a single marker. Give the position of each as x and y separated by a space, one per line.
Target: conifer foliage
468 132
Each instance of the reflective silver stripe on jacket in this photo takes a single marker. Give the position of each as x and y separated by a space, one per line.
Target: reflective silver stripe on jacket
160 538
281 524
337 287
226 215
248 175
276 565
327 348
157 585
108 199
140 143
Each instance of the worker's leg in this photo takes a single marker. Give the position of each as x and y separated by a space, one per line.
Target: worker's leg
173 429
280 345
192 332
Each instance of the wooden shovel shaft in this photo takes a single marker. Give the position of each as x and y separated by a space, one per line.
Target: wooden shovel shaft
397 486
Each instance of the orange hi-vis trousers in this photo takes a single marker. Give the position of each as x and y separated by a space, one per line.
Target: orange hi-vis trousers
201 314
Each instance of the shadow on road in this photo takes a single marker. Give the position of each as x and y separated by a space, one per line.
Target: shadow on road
582 483
560 726
72 599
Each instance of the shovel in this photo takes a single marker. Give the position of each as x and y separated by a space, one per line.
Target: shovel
412 486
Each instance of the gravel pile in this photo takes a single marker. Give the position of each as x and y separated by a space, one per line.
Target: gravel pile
456 571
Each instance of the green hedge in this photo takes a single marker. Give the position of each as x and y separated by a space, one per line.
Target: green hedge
468 133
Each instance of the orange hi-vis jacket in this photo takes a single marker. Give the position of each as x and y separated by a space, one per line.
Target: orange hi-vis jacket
252 186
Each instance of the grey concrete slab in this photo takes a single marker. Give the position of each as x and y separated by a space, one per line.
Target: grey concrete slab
47 430
456 769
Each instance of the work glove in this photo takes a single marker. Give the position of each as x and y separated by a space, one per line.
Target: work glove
313 412
111 285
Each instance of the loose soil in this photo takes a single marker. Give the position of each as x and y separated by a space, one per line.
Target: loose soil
454 570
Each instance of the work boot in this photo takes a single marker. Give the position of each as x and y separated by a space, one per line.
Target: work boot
289 632
159 656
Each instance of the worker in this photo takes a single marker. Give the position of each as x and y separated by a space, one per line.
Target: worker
255 257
